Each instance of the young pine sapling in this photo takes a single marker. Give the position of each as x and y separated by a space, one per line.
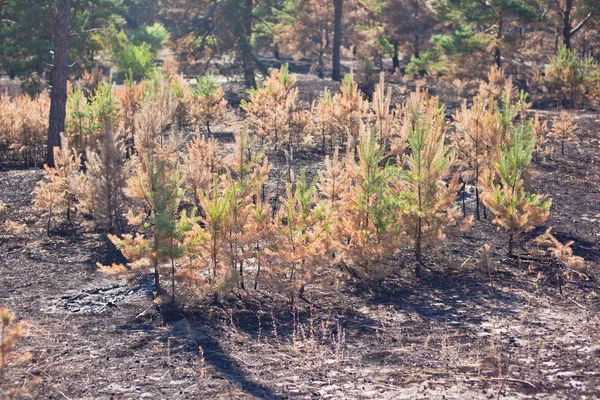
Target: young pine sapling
425 202
515 209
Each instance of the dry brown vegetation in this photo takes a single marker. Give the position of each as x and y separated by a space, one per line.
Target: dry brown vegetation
287 252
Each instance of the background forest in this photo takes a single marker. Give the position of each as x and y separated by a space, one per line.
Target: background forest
449 38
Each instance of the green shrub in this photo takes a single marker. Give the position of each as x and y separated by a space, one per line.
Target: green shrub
572 79
153 35
448 53
136 60
33 85
207 85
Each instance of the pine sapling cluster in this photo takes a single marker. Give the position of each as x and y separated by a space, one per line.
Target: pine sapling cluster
57 193
300 244
365 218
207 103
563 130
426 202
11 333
23 127
102 195
272 111
515 209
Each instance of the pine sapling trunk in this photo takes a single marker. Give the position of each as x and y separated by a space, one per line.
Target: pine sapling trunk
464 207
301 293
49 222
292 298
257 267
418 247
172 274
478 204
419 234
511 244
2 356
290 160
214 255
242 286
156 276
172 280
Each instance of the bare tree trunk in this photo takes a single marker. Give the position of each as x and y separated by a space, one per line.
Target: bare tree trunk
418 250
497 51
567 23
172 276
321 63
338 6
419 235
246 46
417 46
477 202
60 73
395 58
258 266
156 276
464 207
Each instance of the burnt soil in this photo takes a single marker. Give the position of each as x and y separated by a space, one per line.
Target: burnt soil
462 331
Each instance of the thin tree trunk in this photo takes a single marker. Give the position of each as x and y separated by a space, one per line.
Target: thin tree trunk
258 267
395 58
419 235
338 13
60 73
172 276
497 51
464 206
477 204
417 46
156 276
321 64
246 46
214 255
242 285
566 29
418 248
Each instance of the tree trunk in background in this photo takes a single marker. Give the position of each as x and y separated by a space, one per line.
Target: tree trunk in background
338 5
567 23
246 43
417 46
395 58
60 73
497 51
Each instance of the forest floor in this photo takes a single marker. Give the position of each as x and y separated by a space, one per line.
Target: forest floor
462 331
